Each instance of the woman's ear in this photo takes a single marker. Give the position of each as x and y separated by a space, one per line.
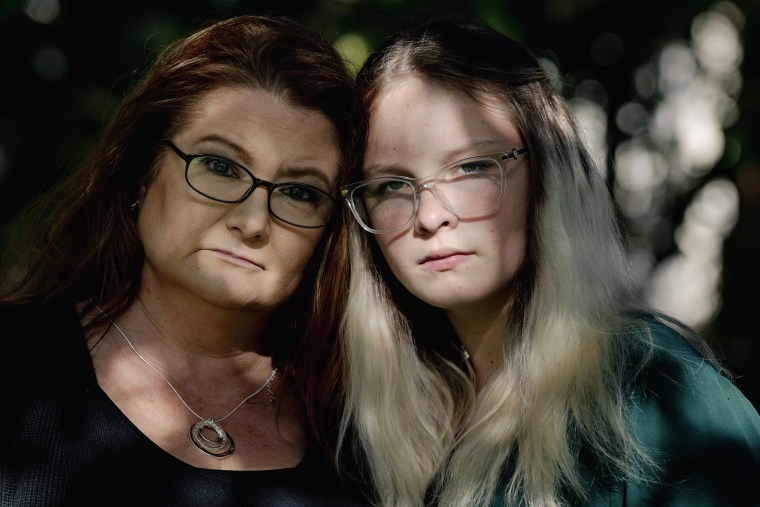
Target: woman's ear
135 206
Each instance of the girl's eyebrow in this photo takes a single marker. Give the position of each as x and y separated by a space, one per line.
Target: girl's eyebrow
447 157
470 150
378 170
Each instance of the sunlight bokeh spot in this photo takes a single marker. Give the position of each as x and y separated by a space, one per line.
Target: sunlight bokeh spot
50 63
687 284
353 48
42 11
716 43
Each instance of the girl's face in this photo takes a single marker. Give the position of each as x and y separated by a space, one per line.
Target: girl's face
236 255
451 262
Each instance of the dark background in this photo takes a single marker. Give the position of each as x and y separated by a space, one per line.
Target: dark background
65 64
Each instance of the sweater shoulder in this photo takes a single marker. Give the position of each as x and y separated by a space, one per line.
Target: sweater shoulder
40 341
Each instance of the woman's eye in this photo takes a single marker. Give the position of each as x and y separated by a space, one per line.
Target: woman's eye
221 167
302 193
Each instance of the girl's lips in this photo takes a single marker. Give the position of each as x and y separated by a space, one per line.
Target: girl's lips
444 262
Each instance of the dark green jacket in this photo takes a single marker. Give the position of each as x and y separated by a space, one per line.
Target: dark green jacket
698 428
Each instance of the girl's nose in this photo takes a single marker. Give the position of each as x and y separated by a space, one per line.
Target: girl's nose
432 214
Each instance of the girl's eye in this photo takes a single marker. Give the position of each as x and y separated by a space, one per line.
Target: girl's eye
386 188
479 168
475 166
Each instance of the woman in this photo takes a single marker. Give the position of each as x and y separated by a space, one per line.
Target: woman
169 337
494 352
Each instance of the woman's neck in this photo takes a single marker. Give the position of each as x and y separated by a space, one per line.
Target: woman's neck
200 329
200 347
165 368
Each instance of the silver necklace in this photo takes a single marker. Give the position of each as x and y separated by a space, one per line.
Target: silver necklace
223 445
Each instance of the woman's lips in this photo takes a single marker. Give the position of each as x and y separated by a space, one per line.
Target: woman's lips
236 259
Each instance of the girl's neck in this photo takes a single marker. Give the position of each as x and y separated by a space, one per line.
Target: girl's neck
482 334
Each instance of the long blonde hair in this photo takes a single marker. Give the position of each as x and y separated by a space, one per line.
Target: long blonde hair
411 406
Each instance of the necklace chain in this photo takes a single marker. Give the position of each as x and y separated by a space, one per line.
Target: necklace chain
266 385
222 446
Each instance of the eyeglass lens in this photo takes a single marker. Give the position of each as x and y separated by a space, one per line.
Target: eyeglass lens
223 180
467 189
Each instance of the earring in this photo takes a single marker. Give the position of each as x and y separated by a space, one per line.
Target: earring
133 207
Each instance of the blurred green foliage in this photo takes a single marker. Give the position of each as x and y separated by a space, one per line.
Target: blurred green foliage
66 64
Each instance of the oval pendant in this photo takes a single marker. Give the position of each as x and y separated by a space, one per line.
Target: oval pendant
219 448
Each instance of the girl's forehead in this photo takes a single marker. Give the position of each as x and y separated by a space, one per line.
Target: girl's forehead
417 127
414 110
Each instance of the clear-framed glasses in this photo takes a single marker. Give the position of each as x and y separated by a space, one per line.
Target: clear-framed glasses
223 180
469 188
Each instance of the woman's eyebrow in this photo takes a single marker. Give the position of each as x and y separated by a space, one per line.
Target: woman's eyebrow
240 152
305 172
242 156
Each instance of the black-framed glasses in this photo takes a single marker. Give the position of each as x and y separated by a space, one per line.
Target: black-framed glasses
223 180
468 188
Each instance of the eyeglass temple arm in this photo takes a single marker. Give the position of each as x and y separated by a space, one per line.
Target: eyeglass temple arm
513 154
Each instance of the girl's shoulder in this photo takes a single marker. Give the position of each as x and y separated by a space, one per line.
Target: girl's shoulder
697 427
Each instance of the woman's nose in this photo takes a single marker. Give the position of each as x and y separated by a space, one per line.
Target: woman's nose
250 218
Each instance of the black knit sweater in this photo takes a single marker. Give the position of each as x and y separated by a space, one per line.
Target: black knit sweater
64 442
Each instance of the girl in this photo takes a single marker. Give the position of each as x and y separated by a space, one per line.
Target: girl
495 353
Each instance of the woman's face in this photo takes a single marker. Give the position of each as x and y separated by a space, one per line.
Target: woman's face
461 264
236 255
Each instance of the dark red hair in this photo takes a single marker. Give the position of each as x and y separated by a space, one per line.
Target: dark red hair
80 241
